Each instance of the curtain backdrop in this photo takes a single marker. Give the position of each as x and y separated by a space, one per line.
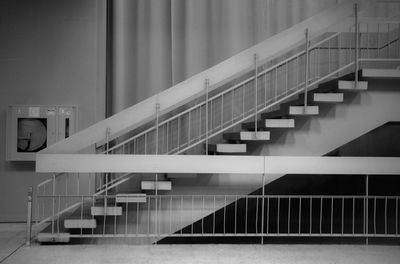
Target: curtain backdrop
157 43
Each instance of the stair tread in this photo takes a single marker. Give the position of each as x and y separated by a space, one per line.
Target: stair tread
227 148
248 135
161 185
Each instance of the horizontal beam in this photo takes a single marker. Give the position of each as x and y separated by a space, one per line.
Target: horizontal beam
173 97
85 163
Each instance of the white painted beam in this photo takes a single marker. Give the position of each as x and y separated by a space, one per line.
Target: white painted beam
149 163
217 164
332 165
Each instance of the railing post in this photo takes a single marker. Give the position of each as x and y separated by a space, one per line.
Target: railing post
307 67
366 208
29 217
108 133
156 184
356 46
54 201
255 93
206 84
262 209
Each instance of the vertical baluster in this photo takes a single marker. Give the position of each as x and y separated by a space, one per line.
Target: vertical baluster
397 215
385 215
288 218
366 207
53 202
357 43
170 214
126 217
353 208
207 113
225 215
137 218
255 93
222 111
300 215
202 219
320 214
332 214
267 227
214 216
262 208
342 215
310 215
375 215
245 226
278 213
256 222
236 201
191 211
189 124
307 69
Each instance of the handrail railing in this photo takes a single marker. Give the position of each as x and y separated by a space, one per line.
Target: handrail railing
180 94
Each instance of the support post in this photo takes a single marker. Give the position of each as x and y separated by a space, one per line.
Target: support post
108 133
156 185
262 209
255 94
29 217
307 68
356 46
366 208
206 84
53 202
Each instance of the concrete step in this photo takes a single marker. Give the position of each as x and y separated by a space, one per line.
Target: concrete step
301 110
328 97
228 148
80 223
53 237
101 210
248 136
349 85
381 73
161 185
279 123
130 198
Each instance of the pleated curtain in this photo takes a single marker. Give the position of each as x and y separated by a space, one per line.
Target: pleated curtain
154 44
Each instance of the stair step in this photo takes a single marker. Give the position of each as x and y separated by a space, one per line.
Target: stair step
130 198
279 123
248 135
328 97
301 110
349 85
80 223
101 210
381 73
161 185
53 237
228 148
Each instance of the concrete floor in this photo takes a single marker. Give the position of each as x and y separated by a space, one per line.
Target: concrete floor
12 237
206 254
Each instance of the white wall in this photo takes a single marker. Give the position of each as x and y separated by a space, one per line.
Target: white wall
51 52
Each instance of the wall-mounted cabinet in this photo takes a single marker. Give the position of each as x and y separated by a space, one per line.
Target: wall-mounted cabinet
33 128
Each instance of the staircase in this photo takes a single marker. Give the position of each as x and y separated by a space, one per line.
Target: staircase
247 104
